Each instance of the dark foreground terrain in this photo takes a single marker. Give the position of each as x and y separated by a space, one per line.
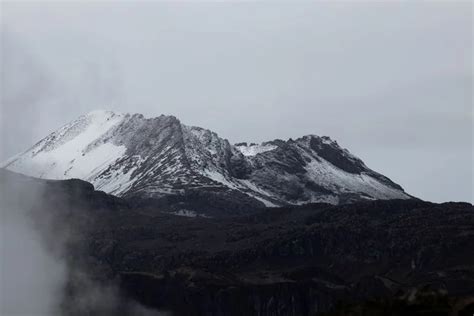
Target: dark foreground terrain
398 257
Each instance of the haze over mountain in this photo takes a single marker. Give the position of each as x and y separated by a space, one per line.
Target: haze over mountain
151 158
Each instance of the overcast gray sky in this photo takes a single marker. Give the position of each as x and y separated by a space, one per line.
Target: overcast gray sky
390 81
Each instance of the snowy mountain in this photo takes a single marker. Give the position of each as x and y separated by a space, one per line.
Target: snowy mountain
161 158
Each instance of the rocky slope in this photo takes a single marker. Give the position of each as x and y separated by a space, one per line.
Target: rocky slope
398 257
161 158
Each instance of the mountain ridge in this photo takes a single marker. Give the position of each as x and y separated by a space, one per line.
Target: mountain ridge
132 156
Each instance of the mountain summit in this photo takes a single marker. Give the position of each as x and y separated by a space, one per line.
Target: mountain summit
162 159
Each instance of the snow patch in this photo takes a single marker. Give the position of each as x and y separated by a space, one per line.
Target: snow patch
219 177
253 150
70 159
338 180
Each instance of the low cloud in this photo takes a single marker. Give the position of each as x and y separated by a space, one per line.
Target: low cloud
41 274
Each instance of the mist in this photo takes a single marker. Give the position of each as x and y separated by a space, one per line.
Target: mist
32 278
42 272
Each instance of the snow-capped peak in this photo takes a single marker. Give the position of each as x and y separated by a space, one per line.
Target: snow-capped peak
66 153
130 155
